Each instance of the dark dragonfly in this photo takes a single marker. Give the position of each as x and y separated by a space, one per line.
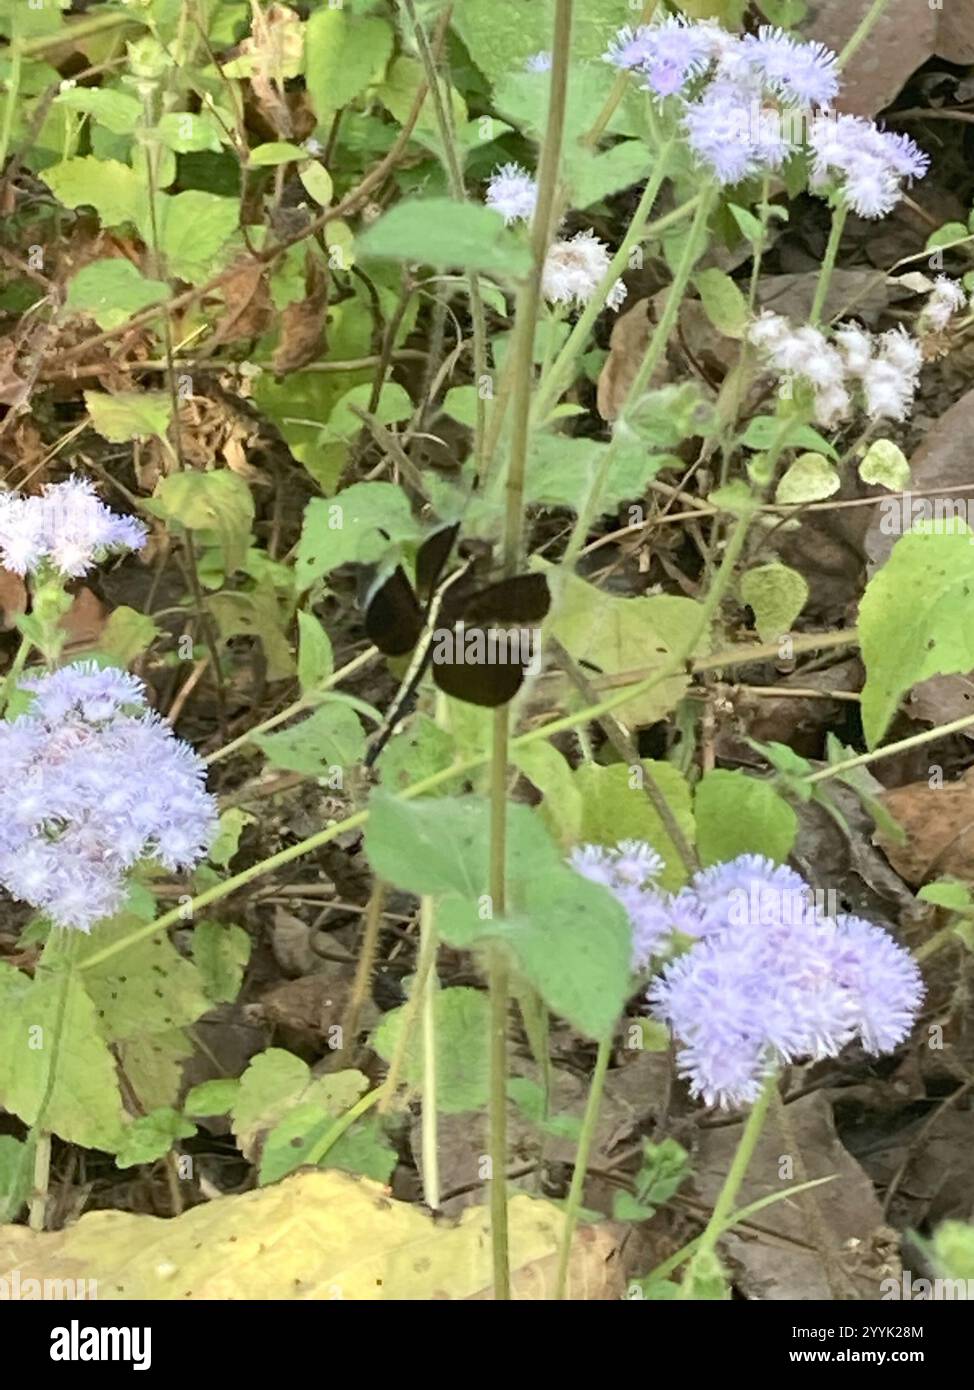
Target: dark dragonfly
480 638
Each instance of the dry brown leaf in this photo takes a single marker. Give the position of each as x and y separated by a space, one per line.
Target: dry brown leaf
13 598
955 33
902 40
302 324
315 1236
248 304
627 347
939 825
85 619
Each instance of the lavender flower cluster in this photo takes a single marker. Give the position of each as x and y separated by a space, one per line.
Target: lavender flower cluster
748 103
67 528
768 979
93 783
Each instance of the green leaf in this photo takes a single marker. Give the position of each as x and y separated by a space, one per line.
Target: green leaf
947 892
317 183
344 55
212 1097
561 807
462 1048
561 469
126 635
394 404
349 528
946 235
273 1083
664 418
151 1136
811 478
723 302
886 465
445 234
85 1106
148 988
116 111
129 414
256 613
227 839
221 952
916 618
275 152
218 502
194 227
185 133
316 661
768 431
615 807
113 189
777 594
737 814
331 738
613 634
363 1148
16 1178
598 176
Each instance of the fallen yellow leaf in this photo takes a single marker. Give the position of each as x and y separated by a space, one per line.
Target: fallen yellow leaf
316 1235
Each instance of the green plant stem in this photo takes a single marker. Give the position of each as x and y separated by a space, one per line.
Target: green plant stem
366 960
692 248
308 701
344 1122
902 745
619 87
738 1169
13 96
13 675
585 1139
839 215
553 382
430 1148
862 31
39 1140
443 112
83 29
499 984
933 944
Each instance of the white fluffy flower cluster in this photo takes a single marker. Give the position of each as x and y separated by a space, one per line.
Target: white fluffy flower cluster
946 299
575 266
882 370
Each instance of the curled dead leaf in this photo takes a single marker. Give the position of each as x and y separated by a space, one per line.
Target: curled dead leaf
939 825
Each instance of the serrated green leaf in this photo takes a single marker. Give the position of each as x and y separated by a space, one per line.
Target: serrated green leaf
150 1137
349 528
111 291
344 55
116 111
462 1048
445 234
221 952
220 502
113 189
393 404
916 618
194 227
330 738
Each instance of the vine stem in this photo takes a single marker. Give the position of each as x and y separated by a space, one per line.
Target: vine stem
862 31
738 1169
839 214
13 96
589 1122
